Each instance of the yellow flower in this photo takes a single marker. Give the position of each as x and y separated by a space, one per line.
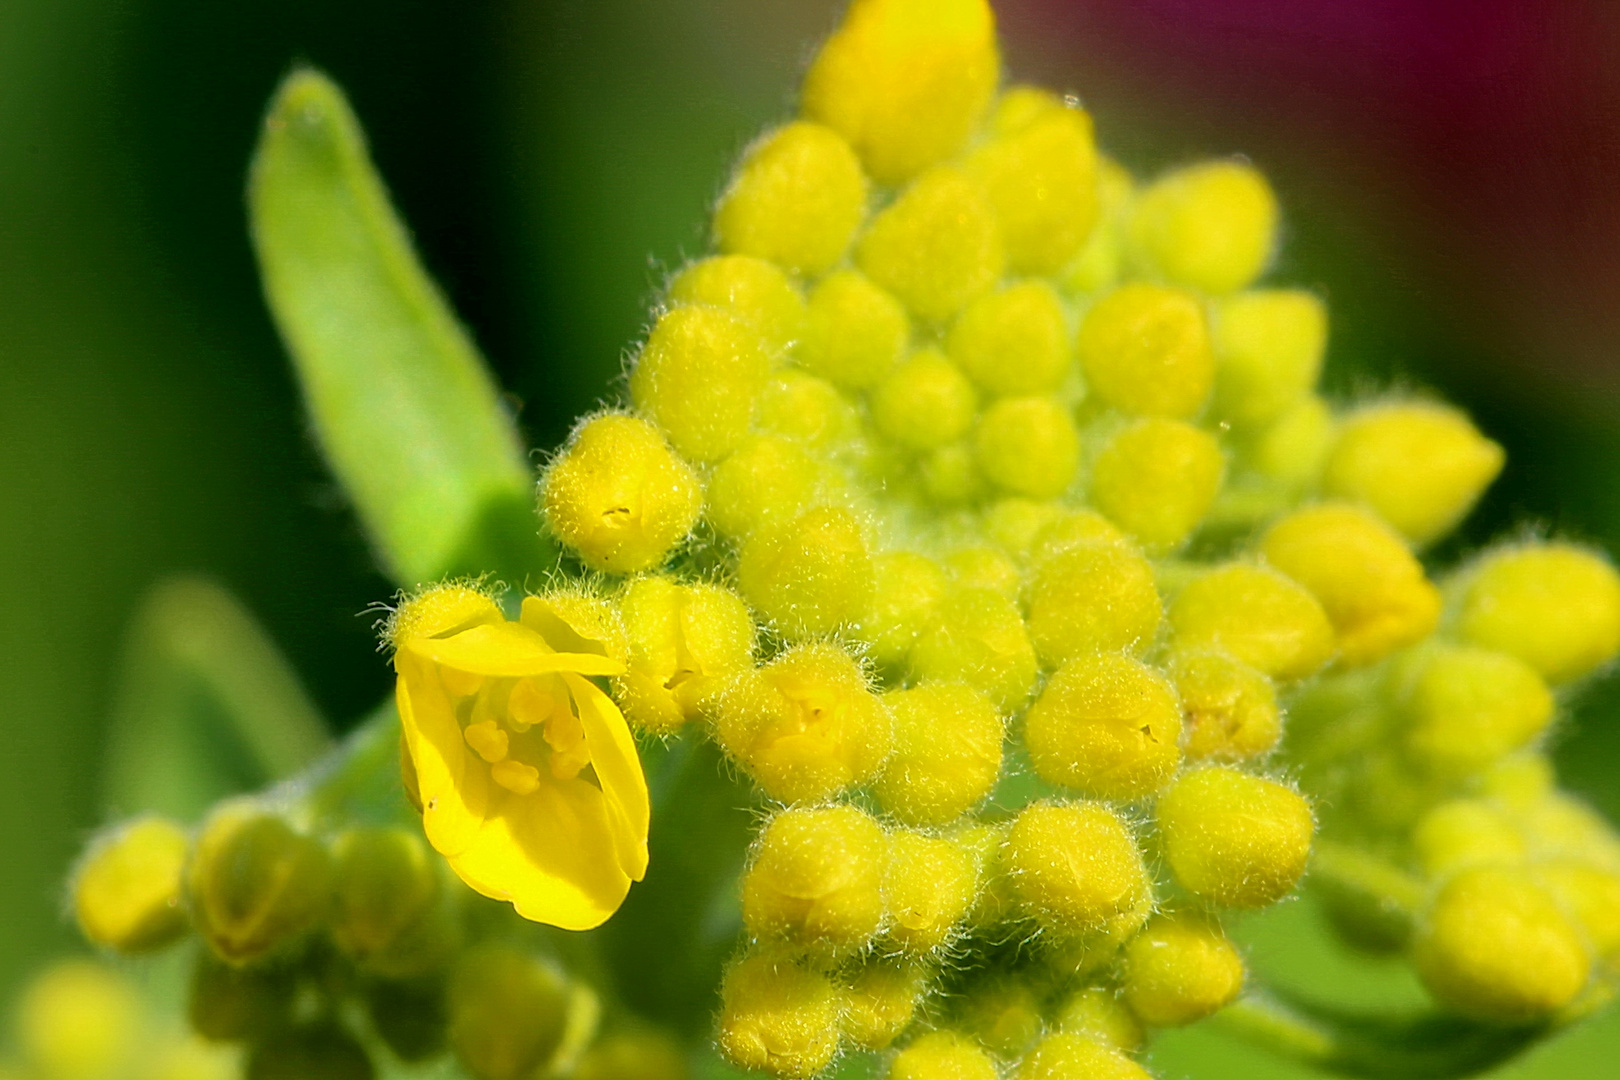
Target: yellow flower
528 778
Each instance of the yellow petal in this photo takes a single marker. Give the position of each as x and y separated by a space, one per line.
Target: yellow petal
618 767
549 854
507 650
454 788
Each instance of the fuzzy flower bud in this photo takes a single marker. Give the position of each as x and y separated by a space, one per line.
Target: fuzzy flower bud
907 591
947 753
685 642
855 331
1003 1014
1145 350
928 887
1463 833
753 290
811 575
1105 725
1268 352
1013 341
1086 597
881 1001
1028 446
78 1020
1179 969
942 1055
1466 707
778 1018
386 885
127 889
1554 606
1229 710
1255 615
924 403
937 246
508 1011
255 883
697 379
1100 1015
1156 479
1076 870
816 880
1235 839
766 481
1210 226
796 199
1063 1055
980 639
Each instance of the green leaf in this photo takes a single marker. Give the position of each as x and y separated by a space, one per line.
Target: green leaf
206 706
401 401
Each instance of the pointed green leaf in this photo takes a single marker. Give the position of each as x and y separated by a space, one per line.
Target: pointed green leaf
402 403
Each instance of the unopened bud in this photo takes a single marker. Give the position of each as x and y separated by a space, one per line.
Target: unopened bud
1235 839
231 1004
1229 710
1180 969
855 331
409 1016
1090 597
1145 351
697 378
928 888
1101 1015
508 1012
127 889
1466 707
925 402
317 1052
1268 352
1464 833
1255 615
816 880
755 291
1003 1014
1106 725
1156 479
947 753
685 642
1210 226
1076 870
1013 341
937 246
255 883
980 639
1028 446
907 591
1063 1056
881 1000
384 909
636 1054
778 1017
78 1020
439 611
796 199
942 1055
811 575
1554 606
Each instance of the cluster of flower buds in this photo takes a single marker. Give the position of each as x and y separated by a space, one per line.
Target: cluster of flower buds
978 503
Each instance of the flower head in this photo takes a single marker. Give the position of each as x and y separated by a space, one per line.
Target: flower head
529 781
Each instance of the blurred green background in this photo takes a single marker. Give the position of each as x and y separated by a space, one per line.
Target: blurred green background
555 158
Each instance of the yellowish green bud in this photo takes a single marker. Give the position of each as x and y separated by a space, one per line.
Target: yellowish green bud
983 567
1268 352
1106 725
1071 528
881 1000
697 378
1292 449
1421 466
1179 969
1012 523
816 880
1255 615
1211 226
1099 1014
1028 446
947 753
796 199
1075 869
807 409
905 81
937 246
231 1004
1589 895
440 610
1519 781
1235 839
806 726
778 1018
1092 597
408 1015
1063 1056
619 496
1145 350
1013 341
127 888
1098 263
753 290
255 883
1003 1014
1494 946
810 576
1156 479
855 332
1368 582
1465 707
384 902
906 596
1554 606
942 1055
925 402
685 642
950 474
635 1054
1464 833
980 639
928 887
78 1020
1229 710
508 1012
1039 170
1557 825
766 479
319 1051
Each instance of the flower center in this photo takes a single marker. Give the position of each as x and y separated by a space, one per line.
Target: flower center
521 728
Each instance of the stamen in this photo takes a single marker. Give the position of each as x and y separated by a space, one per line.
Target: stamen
488 739
516 777
534 700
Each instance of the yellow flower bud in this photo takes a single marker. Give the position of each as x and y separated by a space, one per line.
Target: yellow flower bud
1062 1056
440 610
1145 350
1255 615
636 1054
126 890
1554 606
584 621
1235 839
1092 597
1268 352
231 1004
1463 833
1210 226
753 290
942 1055
1495 947
928 887
947 753
905 81
1371 587
1228 709
1420 465
1465 707
925 402
1013 341
508 1012
855 332
811 575
950 474
1039 171
685 642
1156 479
318 1051
1106 725
778 1018
1179 969
1072 528
1003 1015
983 567
1519 781
1076 870
255 884
767 479
881 1000
1101 1016
385 892
1098 263
1292 449
78 1020
937 246
806 726
807 409
619 496
697 378
978 639
1557 825
816 880
796 199
1590 896
1013 523
906 595
1028 446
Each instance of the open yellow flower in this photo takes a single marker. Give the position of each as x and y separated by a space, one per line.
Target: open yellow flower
527 776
